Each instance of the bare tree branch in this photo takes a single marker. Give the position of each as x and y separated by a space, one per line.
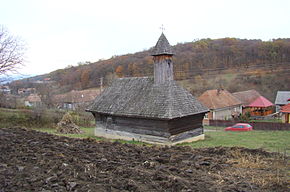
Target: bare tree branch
11 52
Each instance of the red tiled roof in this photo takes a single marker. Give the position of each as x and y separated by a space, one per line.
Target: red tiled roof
261 102
215 99
285 108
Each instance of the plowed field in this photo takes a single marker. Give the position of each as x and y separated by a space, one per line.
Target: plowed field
36 161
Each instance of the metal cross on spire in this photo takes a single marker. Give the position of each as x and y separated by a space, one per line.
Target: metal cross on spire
162 28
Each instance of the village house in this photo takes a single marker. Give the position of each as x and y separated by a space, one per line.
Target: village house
285 110
75 100
26 91
154 110
33 100
5 89
260 107
281 99
222 104
254 103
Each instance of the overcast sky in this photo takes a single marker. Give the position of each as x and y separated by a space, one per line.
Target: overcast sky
59 33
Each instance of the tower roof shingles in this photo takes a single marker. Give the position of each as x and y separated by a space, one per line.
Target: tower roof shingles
162 47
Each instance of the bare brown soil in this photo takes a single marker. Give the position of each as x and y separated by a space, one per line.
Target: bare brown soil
35 161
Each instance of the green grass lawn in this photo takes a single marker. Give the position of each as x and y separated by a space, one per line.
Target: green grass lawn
274 141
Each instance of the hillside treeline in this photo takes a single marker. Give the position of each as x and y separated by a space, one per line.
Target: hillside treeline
191 60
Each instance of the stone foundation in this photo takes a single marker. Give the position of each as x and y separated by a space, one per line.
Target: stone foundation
185 137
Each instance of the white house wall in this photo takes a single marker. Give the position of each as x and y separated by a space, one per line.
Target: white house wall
226 113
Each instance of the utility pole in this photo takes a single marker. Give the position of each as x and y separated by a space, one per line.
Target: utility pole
101 84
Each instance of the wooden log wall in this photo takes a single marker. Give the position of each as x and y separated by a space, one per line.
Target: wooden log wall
163 128
183 124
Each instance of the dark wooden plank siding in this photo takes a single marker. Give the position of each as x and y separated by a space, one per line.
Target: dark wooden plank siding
183 124
137 125
187 134
152 126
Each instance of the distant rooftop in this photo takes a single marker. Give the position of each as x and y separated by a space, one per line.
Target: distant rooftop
216 99
247 97
77 96
282 97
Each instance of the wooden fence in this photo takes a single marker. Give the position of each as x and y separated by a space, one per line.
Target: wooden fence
256 125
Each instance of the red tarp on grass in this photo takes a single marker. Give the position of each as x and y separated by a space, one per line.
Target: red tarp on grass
261 102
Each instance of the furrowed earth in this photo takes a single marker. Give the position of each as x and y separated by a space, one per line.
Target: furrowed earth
36 161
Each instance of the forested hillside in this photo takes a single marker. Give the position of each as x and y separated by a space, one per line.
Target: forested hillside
234 64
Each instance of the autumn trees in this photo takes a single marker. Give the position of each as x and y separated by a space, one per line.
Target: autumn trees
195 61
11 52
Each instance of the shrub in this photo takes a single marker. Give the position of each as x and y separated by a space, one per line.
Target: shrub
41 117
245 117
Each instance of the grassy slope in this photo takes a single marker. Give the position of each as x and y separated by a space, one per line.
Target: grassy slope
274 141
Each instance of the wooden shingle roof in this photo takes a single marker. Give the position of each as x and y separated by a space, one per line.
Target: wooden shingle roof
140 97
162 47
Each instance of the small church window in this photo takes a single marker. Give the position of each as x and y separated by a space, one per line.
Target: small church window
109 122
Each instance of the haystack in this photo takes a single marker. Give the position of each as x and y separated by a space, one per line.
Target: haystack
67 126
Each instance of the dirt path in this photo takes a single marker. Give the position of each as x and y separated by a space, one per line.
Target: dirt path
35 161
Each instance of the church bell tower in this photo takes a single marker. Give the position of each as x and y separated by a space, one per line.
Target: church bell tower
162 57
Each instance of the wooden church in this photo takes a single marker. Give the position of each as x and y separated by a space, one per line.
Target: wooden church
151 109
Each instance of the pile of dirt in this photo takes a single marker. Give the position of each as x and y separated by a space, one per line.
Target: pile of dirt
36 161
67 126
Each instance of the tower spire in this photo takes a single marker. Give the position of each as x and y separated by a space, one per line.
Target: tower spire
162 56
162 47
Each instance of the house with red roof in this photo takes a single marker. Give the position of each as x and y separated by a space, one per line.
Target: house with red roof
260 107
254 103
281 99
285 110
